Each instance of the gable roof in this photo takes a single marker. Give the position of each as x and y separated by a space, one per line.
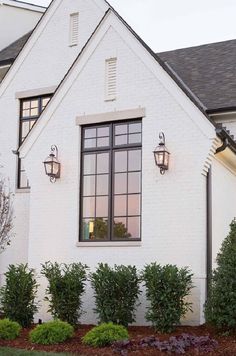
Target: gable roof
187 91
9 53
209 71
160 71
24 5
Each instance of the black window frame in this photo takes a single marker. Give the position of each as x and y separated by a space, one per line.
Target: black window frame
111 195
28 119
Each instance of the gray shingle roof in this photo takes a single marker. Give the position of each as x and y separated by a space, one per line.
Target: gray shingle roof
8 54
209 71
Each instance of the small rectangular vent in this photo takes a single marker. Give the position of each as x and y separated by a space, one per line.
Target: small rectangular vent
74 29
110 93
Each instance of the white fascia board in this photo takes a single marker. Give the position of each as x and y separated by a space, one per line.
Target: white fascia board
29 45
23 5
111 20
102 5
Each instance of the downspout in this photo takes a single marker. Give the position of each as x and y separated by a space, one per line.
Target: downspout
224 145
209 230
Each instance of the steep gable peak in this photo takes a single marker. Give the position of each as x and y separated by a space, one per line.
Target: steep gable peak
56 22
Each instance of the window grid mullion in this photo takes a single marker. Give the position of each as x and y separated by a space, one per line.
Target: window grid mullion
112 149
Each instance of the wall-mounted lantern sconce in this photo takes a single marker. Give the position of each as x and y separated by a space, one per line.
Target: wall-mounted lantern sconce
161 154
52 165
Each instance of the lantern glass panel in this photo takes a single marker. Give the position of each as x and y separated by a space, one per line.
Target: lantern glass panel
160 158
55 168
166 161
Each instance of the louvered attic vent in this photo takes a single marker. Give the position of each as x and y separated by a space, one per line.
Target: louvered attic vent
110 93
74 29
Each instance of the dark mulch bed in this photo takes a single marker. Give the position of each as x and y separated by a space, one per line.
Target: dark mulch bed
226 344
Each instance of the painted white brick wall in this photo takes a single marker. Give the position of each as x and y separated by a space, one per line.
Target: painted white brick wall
223 204
173 206
45 66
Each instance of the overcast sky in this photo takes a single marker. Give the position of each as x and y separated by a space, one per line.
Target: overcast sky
170 24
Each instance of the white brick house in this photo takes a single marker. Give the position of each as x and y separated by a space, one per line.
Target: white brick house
102 82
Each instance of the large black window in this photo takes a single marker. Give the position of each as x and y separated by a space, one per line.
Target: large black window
30 110
111 182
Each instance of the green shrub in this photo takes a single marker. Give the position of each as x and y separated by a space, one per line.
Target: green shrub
166 289
220 309
105 334
9 330
116 292
19 293
53 332
65 289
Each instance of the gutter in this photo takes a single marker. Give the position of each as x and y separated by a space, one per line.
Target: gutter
227 139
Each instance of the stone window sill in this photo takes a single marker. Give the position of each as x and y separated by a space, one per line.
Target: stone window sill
110 244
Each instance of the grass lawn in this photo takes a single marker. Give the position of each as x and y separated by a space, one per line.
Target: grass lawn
5 351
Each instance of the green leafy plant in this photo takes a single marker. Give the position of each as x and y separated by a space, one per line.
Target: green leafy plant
116 292
105 334
19 294
220 308
166 289
53 332
65 289
9 330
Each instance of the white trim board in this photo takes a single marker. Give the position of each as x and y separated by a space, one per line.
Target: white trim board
111 116
35 92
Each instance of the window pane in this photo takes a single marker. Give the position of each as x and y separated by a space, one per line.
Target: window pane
24 129
102 206
89 164
102 184
120 183
120 205
88 207
26 105
90 143
103 142
134 227
26 113
89 185
121 129
121 161
100 229
134 182
120 229
134 204
88 133
23 180
103 163
103 131
133 128
88 229
34 103
135 138
31 123
121 140
34 112
134 160
44 102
